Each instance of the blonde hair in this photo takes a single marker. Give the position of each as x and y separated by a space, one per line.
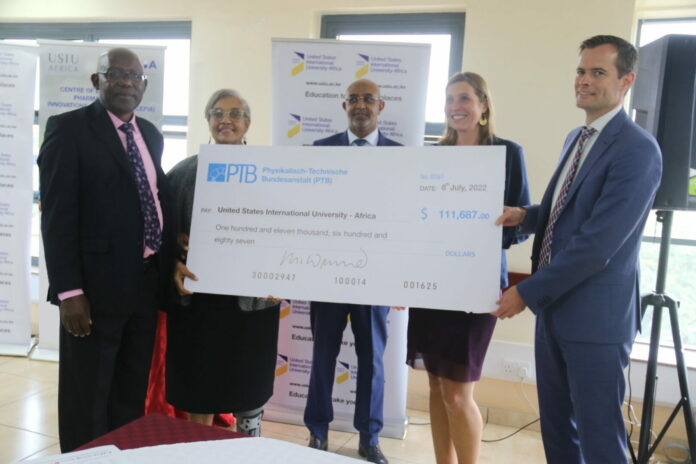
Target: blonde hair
481 88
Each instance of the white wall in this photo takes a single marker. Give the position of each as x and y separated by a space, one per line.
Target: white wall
526 49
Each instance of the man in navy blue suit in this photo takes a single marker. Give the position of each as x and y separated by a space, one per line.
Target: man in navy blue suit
363 106
584 283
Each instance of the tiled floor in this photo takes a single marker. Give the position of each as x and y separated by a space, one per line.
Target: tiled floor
29 425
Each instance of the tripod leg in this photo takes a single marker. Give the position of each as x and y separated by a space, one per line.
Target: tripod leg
683 378
650 381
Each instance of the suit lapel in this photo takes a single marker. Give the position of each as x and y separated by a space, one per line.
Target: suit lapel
153 147
150 141
344 139
105 131
567 151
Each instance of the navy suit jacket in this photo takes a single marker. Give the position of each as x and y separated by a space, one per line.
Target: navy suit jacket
341 139
589 290
91 220
516 194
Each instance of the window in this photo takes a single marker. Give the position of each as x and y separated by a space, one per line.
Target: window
682 260
443 31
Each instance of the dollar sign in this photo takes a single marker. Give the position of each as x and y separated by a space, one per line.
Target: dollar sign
424 214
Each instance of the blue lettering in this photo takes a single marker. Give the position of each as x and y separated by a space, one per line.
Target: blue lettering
245 172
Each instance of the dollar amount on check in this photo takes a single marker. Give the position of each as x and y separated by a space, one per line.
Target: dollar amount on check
398 226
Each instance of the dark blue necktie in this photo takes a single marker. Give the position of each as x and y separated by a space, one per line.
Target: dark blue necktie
360 142
153 233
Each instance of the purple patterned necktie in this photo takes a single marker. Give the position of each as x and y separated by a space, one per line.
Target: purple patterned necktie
545 253
153 233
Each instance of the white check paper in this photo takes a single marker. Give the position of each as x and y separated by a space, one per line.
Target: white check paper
396 226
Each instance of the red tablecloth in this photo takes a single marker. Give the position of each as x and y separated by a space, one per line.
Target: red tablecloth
156 429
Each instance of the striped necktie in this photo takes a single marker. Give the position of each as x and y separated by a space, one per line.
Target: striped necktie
547 240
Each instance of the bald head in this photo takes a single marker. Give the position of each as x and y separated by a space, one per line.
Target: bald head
363 106
363 85
120 82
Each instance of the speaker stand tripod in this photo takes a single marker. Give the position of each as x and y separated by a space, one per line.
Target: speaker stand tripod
660 300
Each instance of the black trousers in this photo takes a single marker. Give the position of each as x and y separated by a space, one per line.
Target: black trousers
103 378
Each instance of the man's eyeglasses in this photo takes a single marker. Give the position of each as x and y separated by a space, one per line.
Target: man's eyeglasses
234 113
117 76
367 99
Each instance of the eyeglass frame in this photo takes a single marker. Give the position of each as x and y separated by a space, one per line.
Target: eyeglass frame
241 114
137 78
364 98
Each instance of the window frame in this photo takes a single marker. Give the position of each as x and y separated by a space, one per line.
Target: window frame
95 31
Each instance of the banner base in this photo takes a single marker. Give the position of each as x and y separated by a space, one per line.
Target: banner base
7 349
44 354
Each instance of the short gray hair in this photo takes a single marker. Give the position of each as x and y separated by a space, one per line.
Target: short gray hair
224 93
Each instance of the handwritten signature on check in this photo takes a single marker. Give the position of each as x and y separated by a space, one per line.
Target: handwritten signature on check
318 260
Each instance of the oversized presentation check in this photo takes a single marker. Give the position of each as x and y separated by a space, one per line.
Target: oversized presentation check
397 226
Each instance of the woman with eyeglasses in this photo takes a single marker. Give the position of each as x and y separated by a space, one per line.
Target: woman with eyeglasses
453 344
221 350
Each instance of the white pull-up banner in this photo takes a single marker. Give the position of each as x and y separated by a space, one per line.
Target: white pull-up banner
17 81
310 78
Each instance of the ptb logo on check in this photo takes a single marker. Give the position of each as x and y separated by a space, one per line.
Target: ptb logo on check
245 173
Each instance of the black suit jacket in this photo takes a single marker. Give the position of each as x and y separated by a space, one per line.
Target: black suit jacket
341 139
91 220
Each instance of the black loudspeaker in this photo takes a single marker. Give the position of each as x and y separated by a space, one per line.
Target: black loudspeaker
664 104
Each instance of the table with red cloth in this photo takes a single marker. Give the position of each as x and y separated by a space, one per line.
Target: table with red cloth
156 429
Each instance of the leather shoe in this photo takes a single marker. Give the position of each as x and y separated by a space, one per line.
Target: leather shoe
372 454
317 443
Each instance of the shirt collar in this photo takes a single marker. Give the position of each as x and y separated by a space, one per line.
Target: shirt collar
372 138
117 121
601 122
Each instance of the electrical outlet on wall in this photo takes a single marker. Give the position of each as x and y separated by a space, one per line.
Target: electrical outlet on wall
518 370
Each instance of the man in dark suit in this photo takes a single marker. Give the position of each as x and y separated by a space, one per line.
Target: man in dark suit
363 106
584 283
104 221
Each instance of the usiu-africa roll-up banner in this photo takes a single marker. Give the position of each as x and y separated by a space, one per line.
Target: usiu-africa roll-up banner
310 78
17 79
64 85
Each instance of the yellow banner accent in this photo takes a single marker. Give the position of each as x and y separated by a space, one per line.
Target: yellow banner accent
297 69
342 378
362 71
282 369
294 131
285 312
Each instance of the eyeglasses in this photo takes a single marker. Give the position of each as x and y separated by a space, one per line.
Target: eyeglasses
116 76
367 99
234 113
